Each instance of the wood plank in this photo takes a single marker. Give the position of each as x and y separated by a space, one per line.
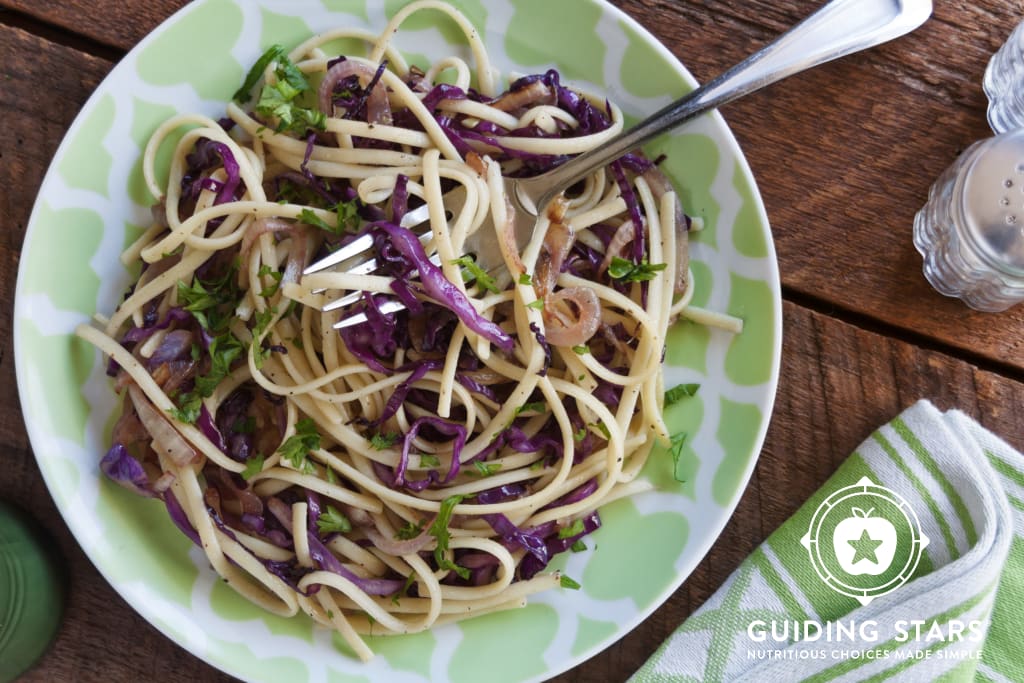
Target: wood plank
115 24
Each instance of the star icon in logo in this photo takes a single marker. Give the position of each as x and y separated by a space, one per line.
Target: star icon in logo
864 548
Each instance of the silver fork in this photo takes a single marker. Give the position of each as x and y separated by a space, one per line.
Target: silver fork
837 29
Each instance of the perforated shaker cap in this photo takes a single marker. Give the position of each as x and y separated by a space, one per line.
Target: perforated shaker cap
993 202
32 592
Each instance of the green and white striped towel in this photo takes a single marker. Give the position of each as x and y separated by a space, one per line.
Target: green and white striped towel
959 615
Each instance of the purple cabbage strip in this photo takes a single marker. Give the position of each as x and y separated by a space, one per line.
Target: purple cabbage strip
179 517
439 288
400 198
124 470
444 427
206 425
326 560
137 334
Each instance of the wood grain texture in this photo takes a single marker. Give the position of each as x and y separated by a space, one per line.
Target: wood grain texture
843 155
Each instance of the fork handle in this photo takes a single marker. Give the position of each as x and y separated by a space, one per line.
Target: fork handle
839 28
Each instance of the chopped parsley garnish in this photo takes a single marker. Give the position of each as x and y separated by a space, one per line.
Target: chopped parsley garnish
275 275
578 547
253 466
566 582
581 349
574 529
381 440
410 530
531 407
439 530
280 100
309 217
676 451
471 270
537 304
525 279
296 447
429 460
273 53
333 521
486 469
580 434
625 270
679 392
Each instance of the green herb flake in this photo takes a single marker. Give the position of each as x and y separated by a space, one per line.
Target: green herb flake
581 349
578 547
486 469
275 276
380 441
471 270
309 217
679 392
429 460
625 270
525 279
296 447
273 53
566 582
537 304
531 407
439 530
253 466
676 451
333 521
574 529
410 530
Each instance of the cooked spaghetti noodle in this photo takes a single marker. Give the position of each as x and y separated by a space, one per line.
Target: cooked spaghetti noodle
425 464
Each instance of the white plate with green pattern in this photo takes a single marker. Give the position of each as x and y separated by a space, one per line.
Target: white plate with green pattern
93 200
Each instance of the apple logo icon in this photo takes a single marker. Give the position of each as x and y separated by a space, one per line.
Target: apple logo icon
864 544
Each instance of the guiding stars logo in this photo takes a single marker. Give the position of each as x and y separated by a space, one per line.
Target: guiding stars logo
865 541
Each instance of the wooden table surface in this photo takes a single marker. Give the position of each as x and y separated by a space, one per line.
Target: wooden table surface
843 156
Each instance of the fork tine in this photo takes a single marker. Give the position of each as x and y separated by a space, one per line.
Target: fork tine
391 306
363 243
355 296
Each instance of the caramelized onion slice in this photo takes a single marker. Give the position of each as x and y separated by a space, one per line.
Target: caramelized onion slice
564 327
166 439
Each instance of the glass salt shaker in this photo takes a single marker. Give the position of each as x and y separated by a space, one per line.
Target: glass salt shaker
1004 84
971 230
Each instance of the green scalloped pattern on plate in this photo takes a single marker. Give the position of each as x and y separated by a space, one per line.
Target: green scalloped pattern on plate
539 24
591 632
636 60
57 361
354 7
86 165
748 237
210 29
131 524
280 29
475 11
483 653
409 653
146 118
679 473
737 433
73 232
748 361
224 601
694 160
627 535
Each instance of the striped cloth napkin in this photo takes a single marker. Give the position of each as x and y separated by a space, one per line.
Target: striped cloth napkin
907 565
